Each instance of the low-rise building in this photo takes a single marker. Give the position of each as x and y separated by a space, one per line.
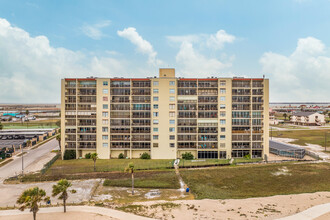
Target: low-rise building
307 118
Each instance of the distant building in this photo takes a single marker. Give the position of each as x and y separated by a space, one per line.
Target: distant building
307 118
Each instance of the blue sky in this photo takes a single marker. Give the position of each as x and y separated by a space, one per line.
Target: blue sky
43 41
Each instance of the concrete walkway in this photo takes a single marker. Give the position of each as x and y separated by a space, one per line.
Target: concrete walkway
310 213
91 209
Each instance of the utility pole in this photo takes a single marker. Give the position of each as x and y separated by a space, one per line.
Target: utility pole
22 160
325 141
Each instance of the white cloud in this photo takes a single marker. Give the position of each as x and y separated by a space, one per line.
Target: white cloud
191 58
301 76
142 45
31 68
95 31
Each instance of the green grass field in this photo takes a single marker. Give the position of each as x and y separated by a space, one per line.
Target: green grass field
87 165
303 137
201 162
158 180
257 181
51 123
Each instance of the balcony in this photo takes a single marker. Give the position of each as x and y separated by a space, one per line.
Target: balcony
187 115
141 83
140 145
86 130
241 99
120 107
86 122
246 137
257 84
204 138
138 130
120 84
207 114
187 122
70 145
116 145
141 115
207 130
187 130
119 115
241 145
187 137
208 92
120 131
87 92
208 84
241 83
70 131
207 107
119 122
209 145
241 107
206 99
120 137
141 138
187 91
120 92
140 122
189 145
187 107
241 92
141 99
187 84
87 138
87 84
87 145
119 99
141 92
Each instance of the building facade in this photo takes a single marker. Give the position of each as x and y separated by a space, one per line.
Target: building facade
165 116
308 118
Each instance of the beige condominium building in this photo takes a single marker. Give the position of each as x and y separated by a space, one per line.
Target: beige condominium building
166 116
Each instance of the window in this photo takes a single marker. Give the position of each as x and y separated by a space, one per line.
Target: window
104 137
223 129
222 114
172 114
105 121
155 122
155 137
222 91
172 137
105 114
172 145
222 137
155 144
222 106
172 91
105 129
222 121
105 91
105 83
172 106
222 82
155 129
155 98
155 106
172 83
156 83
172 129
172 98
222 145
156 91
156 114
105 98
105 106
222 98
172 122
105 144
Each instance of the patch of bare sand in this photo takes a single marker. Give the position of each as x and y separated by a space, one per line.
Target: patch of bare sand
323 217
253 208
59 215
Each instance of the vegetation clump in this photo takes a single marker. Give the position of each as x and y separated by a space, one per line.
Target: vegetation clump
145 156
69 155
187 156
121 156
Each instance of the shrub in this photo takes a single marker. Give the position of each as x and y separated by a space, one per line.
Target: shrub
88 156
69 154
187 156
121 156
145 156
248 156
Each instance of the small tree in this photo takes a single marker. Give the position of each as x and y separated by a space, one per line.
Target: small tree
121 156
145 156
30 199
94 157
88 156
130 169
58 138
62 188
28 143
69 154
187 156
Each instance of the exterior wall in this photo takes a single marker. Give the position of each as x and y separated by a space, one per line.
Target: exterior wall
221 118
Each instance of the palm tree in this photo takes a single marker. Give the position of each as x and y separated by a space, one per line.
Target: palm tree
285 115
27 112
94 157
58 138
30 199
130 169
62 188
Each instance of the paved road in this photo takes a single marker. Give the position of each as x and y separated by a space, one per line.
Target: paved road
32 156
